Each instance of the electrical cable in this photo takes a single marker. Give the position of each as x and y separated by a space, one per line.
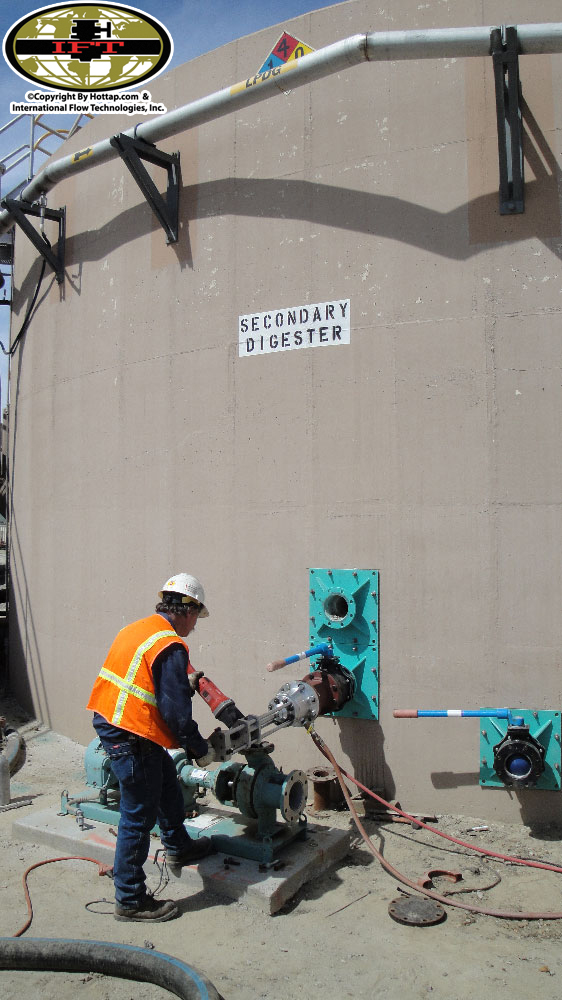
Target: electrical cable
25 323
446 900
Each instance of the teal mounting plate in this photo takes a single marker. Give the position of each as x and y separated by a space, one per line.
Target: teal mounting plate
545 726
344 611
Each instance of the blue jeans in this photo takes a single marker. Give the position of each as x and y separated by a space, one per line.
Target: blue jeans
150 793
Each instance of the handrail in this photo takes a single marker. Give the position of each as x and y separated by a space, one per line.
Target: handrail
33 145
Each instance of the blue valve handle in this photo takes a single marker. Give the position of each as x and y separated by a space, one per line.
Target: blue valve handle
453 713
322 649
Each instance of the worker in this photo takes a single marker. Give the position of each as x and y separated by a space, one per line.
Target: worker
142 707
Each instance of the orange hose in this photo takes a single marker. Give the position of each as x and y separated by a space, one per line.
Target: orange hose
446 900
103 869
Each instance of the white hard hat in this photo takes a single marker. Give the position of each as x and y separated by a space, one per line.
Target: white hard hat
189 587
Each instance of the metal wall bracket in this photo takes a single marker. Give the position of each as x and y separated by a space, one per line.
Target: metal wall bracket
505 58
133 152
19 210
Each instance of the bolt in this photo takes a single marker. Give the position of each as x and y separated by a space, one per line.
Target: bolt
557 767
373 698
483 731
483 761
535 715
312 592
355 573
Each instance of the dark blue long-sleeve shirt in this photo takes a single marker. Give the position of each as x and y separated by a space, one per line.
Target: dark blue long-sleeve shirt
173 698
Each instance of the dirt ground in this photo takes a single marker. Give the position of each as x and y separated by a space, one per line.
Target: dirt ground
334 940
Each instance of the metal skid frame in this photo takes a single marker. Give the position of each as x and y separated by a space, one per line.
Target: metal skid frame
19 210
505 58
133 152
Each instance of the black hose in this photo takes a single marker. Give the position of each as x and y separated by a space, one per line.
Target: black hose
25 323
124 961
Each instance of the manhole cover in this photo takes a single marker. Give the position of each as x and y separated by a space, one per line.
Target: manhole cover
415 910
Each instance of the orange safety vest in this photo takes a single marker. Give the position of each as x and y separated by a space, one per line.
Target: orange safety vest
124 690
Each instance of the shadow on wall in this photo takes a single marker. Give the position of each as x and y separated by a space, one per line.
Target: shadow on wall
542 195
457 234
363 742
25 673
454 779
531 800
531 804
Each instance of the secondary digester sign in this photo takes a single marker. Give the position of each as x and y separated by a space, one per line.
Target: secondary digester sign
322 324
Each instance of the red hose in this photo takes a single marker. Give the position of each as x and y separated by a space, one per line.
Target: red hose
504 914
102 871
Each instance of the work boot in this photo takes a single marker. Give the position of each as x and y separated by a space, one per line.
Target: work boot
195 850
149 908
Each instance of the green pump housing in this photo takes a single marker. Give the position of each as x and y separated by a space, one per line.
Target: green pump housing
344 611
254 788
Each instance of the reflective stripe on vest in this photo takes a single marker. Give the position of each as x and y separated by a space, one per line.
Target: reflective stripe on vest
126 684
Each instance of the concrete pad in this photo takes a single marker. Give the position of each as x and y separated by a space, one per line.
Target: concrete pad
268 890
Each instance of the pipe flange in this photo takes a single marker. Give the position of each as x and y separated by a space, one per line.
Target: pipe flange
293 796
414 910
339 608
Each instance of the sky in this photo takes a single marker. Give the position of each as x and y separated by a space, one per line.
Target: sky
196 26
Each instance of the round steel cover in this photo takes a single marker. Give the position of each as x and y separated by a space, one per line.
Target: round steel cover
416 910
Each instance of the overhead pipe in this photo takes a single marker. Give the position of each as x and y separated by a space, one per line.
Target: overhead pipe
434 43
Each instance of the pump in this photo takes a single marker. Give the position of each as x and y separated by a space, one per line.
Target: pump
255 788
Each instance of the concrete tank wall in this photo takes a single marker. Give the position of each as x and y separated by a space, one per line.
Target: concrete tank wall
428 448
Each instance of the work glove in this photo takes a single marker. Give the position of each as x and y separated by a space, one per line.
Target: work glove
207 758
194 679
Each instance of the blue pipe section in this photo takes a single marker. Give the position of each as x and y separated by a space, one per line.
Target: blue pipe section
468 713
322 649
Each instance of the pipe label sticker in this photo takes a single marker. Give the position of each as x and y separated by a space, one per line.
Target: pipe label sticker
322 324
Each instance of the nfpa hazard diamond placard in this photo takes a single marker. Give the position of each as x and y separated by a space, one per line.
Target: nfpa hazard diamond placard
286 49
